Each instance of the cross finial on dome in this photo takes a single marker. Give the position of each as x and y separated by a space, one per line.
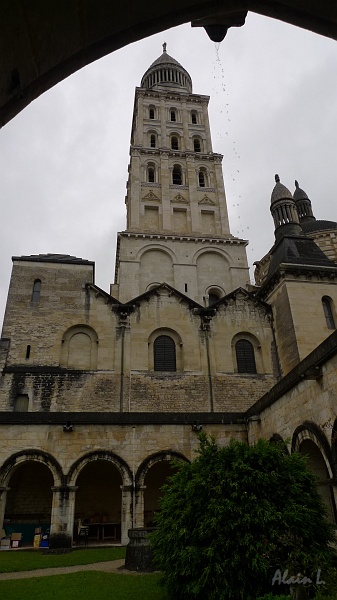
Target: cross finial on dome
164 46
277 178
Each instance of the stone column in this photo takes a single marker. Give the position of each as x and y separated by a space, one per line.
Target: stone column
139 507
163 119
139 130
207 128
126 520
166 174
220 190
185 117
3 499
62 516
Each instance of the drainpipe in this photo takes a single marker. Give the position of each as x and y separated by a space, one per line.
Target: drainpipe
278 364
121 392
205 325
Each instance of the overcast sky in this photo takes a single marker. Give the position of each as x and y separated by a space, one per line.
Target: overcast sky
273 109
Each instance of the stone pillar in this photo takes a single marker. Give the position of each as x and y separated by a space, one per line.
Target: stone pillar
192 183
220 189
139 130
163 119
185 115
207 128
3 499
126 520
62 516
166 178
139 507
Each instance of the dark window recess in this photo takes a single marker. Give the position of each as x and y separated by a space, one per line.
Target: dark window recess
194 118
196 144
28 351
164 350
36 290
21 403
330 321
185 287
174 143
173 115
153 141
201 179
212 298
151 113
150 175
245 357
176 175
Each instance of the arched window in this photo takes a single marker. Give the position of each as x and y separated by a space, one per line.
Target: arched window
173 114
212 298
327 308
177 178
201 178
164 350
194 119
196 145
21 403
151 112
36 290
151 177
174 143
245 356
153 140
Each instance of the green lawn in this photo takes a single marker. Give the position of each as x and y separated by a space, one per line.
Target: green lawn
19 560
85 585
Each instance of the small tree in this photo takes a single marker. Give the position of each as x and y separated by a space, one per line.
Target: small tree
234 516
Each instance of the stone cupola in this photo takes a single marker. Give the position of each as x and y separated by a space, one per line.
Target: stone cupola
283 210
166 72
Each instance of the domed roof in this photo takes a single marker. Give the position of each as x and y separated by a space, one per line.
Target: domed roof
166 72
318 225
165 59
280 192
299 194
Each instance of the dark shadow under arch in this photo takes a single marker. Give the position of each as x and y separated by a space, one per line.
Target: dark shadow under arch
154 458
32 455
107 455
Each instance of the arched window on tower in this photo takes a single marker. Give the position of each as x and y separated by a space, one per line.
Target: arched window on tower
151 112
194 119
153 140
151 173
328 312
196 144
245 356
174 143
203 178
36 290
177 178
164 350
173 114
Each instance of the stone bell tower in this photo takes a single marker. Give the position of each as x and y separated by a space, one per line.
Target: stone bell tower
177 222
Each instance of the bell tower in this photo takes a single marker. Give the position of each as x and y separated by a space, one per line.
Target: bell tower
177 221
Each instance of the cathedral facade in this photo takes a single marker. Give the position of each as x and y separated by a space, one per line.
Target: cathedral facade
100 391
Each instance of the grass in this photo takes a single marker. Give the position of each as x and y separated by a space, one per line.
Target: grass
19 560
85 585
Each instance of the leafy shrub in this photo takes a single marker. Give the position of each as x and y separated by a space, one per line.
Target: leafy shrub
234 516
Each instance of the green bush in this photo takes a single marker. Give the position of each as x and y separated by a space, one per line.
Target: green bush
234 516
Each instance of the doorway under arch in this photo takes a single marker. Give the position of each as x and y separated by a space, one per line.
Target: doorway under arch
29 500
318 467
155 478
98 502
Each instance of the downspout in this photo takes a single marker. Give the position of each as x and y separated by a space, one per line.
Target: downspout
278 364
210 383
121 392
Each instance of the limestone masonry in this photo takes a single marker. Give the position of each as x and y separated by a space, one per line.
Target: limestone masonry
100 391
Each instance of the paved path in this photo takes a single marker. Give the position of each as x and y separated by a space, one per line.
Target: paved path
112 566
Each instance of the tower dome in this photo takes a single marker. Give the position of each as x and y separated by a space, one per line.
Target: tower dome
283 210
303 205
166 72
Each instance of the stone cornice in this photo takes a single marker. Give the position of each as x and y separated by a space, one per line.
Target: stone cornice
293 272
212 239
